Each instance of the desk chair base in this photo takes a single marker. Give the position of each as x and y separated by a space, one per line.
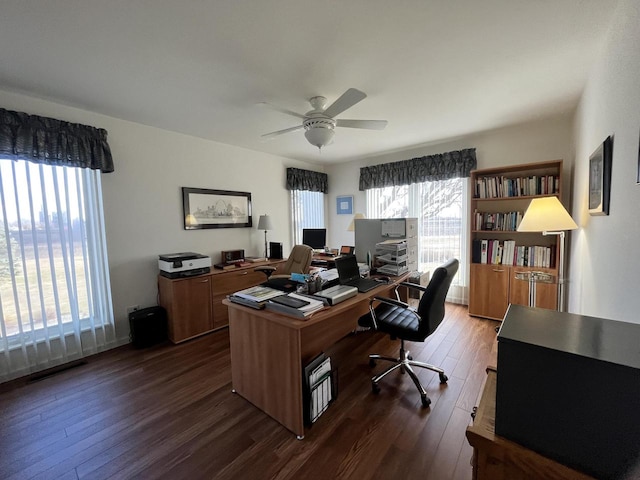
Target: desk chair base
404 362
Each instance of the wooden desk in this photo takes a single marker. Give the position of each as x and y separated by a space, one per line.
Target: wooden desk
268 351
496 458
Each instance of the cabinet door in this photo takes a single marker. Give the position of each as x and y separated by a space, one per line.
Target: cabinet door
546 293
192 308
489 290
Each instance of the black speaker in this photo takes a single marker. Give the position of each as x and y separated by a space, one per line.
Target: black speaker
275 250
148 326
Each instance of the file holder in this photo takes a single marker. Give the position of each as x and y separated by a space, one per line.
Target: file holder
319 392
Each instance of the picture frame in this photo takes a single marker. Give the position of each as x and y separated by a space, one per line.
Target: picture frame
600 178
638 176
344 205
205 208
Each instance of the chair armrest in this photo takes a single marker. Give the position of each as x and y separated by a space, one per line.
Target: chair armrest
415 286
389 301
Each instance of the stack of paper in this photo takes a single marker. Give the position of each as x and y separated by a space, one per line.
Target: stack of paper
258 293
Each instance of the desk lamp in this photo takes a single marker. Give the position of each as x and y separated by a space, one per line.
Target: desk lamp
264 223
547 215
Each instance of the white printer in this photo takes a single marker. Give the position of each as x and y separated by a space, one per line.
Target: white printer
183 264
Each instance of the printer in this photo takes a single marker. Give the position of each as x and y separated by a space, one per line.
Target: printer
183 264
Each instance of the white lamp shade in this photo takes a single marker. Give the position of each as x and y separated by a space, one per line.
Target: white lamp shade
319 136
264 223
545 215
352 225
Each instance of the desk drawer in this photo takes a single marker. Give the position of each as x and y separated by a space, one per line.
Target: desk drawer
231 281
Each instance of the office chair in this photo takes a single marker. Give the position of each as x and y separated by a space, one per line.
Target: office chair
401 321
299 261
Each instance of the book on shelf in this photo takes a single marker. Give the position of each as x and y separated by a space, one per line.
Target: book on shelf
258 293
502 187
294 304
495 252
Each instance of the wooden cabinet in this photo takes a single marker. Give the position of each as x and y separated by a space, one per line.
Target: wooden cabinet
194 305
499 198
496 458
490 297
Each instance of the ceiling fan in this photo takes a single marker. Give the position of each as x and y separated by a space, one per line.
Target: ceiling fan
319 123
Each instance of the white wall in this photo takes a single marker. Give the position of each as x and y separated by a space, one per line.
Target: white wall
143 201
604 262
547 139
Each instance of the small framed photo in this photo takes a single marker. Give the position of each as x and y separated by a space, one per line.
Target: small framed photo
204 208
344 205
600 178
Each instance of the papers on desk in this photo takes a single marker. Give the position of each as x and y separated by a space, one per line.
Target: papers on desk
258 293
307 306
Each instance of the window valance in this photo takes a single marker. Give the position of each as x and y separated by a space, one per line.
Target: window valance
298 179
442 166
53 142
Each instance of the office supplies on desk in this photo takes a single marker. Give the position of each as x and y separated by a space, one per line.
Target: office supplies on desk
246 302
338 293
295 305
349 274
259 293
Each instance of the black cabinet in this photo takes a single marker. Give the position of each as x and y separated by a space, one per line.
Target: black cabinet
568 387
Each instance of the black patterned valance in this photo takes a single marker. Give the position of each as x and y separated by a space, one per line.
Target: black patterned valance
429 168
298 179
53 142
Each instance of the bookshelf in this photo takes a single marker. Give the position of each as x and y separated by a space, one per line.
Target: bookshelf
499 254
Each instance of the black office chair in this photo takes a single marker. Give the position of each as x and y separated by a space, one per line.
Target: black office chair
401 321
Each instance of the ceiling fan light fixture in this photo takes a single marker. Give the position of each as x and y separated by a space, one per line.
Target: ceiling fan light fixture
319 132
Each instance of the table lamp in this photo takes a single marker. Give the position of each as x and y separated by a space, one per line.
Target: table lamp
352 225
547 215
264 223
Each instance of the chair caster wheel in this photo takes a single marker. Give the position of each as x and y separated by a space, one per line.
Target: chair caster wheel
443 378
375 388
426 401
409 357
372 362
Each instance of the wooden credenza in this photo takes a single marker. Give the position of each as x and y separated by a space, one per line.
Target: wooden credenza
496 458
194 305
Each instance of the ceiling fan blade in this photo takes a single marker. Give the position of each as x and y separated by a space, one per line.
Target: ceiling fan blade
280 132
347 100
282 110
368 124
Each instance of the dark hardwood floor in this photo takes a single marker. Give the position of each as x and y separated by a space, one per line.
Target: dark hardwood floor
168 412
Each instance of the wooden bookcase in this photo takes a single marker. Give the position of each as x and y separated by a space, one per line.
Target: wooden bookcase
499 197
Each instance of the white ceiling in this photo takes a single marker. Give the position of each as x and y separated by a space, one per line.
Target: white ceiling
435 69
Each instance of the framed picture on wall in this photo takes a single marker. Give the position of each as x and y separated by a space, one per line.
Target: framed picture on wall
344 204
600 178
204 208
638 177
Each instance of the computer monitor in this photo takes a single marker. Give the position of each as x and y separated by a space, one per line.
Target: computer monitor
316 238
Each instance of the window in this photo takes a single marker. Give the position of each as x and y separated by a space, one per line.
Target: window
441 209
55 302
307 211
